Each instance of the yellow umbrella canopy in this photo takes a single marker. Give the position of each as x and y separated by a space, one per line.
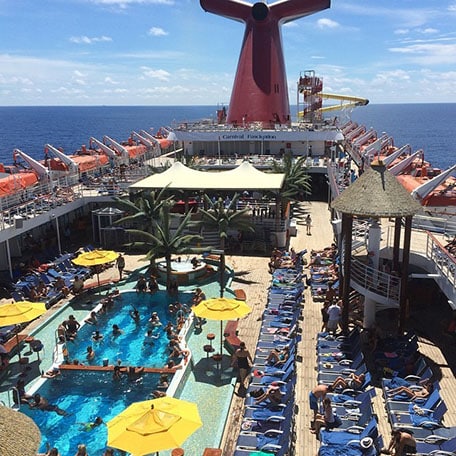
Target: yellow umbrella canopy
221 309
95 258
15 313
154 425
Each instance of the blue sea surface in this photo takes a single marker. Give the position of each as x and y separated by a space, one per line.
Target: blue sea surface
430 127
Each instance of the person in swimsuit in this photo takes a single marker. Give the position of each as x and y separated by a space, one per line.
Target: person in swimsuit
328 419
402 443
317 395
352 382
41 403
242 357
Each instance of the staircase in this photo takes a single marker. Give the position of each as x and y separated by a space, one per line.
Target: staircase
375 284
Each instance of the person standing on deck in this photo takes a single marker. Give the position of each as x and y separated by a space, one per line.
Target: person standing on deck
243 359
120 264
308 225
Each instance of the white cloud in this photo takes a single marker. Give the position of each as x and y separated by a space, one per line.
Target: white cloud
125 3
428 54
429 30
161 75
327 23
89 40
157 31
401 31
109 80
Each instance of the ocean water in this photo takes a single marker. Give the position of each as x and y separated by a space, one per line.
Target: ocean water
424 126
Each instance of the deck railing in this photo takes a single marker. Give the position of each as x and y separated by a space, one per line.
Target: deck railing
386 286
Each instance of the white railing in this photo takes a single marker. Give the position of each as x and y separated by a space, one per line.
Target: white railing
443 260
377 282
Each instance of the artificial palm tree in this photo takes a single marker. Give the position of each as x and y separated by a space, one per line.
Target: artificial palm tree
144 208
223 217
297 182
161 240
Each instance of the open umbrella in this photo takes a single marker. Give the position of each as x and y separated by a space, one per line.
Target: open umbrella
221 309
15 313
95 258
154 425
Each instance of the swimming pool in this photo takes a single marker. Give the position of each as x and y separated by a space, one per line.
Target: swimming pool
85 396
130 346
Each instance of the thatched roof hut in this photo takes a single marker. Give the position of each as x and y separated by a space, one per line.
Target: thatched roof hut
376 193
19 435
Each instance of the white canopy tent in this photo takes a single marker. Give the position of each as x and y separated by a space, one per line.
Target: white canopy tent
243 177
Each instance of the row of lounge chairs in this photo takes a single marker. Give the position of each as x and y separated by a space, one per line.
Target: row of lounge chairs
61 267
358 434
267 426
321 275
420 416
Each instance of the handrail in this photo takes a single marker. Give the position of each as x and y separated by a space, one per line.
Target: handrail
443 260
378 282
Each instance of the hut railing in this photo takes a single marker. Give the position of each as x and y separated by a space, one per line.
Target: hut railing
381 284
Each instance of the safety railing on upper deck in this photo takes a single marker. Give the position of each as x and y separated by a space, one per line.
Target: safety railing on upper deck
444 261
383 288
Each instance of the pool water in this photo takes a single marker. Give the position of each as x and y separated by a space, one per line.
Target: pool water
86 396
129 346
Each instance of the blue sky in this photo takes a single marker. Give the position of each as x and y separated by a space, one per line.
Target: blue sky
170 52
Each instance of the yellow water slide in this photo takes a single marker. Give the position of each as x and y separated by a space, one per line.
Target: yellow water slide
346 101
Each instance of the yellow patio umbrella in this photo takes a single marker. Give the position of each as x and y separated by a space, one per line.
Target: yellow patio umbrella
154 425
221 309
95 258
15 313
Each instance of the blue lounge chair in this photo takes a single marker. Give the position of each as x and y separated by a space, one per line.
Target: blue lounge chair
433 435
355 433
267 413
329 377
287 390
393 406
444 448
419 417
409 380
340 366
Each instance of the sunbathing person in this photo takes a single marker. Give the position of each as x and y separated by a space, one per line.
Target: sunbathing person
278 357
352 382
272 394
413 394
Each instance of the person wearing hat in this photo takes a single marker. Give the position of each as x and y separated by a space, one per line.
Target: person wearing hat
402 443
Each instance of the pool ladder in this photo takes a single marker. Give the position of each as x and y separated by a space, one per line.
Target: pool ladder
11 403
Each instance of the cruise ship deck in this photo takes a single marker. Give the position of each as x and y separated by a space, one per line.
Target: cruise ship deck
428 321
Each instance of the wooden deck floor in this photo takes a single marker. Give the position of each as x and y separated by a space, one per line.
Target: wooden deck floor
434 344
